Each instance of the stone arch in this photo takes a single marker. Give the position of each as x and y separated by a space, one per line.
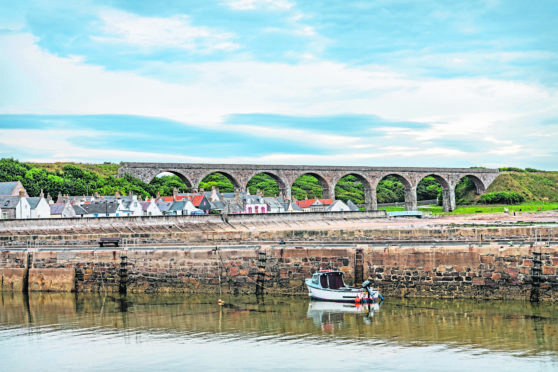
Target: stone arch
326 188
480 187
368 194
179 174
283 188
410 189
448 191
234 179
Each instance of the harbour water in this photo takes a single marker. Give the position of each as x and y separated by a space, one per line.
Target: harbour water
53 332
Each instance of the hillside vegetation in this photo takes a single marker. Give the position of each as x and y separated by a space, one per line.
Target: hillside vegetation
80 179
532 185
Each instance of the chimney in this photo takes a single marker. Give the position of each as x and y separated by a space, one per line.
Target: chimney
59 199
42 194
49 198
175 193
117 195
202 190
247 191
259 192
22 193
158 196
214 195
97 196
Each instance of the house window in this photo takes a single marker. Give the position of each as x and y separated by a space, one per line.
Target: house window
263 209
249 209
4 215
256 208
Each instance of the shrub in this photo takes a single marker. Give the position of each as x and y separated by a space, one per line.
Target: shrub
511 169
502 198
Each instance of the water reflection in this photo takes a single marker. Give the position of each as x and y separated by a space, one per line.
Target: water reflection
331 315
512 327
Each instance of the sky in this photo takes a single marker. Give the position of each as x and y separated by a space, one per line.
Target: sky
371 83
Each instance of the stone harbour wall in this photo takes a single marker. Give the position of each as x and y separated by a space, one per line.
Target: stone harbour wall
489 271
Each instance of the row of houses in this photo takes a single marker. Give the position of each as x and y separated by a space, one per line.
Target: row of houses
15 203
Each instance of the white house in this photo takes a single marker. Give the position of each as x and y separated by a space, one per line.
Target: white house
274 205
62 210
103 208
39 207
149 208
129 206
338 206
189 208
14 207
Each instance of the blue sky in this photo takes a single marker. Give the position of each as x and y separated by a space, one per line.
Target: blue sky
379 83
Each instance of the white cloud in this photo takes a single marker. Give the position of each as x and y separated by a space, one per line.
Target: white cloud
259 4
482 110
156 32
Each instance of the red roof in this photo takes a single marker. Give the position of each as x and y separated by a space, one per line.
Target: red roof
197 200
309 202
305 203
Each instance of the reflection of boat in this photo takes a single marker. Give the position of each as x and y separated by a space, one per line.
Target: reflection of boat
328 285
327 314
340 307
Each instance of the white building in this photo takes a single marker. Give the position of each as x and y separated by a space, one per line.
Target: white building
149 208
39 207
14 207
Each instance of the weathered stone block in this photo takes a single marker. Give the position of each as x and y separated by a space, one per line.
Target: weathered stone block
51 280
12 279
549 270
478 281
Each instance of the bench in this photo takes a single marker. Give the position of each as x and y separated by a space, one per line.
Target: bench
103 241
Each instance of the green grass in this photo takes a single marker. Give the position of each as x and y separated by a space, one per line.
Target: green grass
477 209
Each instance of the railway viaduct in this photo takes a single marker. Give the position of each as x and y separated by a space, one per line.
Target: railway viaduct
328 176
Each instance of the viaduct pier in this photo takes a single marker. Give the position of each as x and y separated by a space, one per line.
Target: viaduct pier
328 176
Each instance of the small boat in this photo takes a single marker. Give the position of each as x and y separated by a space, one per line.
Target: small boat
328 285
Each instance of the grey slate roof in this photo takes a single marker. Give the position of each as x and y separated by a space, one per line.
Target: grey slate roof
6 188
145 205
218 205
164 206
33 202
177 205
56 208
79 210
9 202
352 206
235 208
101 207
273 202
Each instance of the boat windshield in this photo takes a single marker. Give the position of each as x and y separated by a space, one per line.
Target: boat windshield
332 281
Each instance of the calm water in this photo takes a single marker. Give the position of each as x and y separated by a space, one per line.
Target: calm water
152 333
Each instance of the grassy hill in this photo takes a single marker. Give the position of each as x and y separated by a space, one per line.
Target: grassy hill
101 170
533 186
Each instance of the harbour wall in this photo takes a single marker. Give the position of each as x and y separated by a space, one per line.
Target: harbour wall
173 233
405 269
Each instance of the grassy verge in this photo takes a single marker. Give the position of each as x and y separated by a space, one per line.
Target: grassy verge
477 209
